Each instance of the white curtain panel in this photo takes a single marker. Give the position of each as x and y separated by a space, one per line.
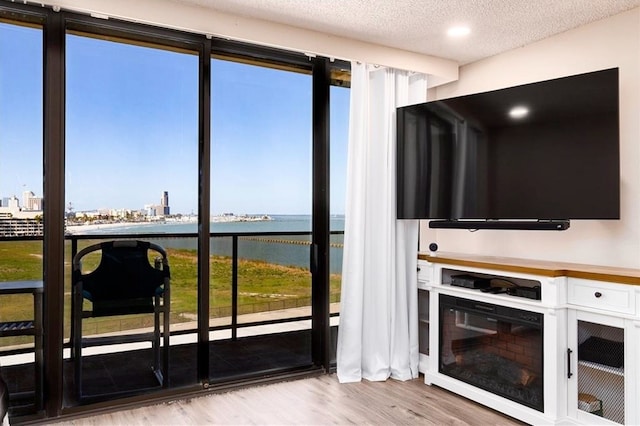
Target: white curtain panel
378 332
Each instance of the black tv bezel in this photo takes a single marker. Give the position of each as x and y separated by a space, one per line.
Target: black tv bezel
439 221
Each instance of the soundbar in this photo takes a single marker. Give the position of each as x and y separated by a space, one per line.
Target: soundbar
531 225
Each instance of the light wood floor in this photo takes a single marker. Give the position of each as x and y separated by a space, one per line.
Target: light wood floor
314 401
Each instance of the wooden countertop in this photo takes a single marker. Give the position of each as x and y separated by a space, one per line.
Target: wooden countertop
538 267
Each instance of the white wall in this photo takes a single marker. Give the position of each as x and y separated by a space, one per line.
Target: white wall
613 42
186 17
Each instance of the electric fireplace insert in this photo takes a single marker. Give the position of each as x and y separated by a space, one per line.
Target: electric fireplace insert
495 348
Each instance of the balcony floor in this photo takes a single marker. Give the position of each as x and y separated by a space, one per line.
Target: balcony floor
128 373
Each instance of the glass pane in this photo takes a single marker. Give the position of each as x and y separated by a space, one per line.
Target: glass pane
423 318
601 370
339 137
260 197
21 146
221 290
21 203
131 169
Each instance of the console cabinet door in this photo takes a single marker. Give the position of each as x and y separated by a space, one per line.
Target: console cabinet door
598 383
423 329
425 279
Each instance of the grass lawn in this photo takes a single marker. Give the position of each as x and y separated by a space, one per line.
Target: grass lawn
261 286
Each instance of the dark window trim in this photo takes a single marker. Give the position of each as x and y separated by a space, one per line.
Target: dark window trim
263 56
55 26
320 288
23 13
204 212
53 194
124 31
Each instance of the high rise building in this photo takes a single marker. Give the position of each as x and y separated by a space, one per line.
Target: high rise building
164 203
30 201
26 198
13 202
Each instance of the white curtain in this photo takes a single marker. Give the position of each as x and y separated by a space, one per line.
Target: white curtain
378 332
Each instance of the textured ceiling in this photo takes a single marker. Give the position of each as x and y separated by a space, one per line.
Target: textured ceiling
420 25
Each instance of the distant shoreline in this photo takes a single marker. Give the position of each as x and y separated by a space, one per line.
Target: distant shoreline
73 229
79 229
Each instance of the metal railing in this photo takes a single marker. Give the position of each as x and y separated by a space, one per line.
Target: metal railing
277 237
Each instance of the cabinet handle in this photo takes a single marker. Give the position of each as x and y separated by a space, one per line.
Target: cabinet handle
597 294
569 373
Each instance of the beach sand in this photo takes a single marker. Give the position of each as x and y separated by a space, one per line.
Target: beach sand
81 229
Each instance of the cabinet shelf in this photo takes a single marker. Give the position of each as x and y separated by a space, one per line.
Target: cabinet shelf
618 371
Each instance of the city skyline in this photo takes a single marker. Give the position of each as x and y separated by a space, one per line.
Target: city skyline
31 202
28 200
164 205
132 128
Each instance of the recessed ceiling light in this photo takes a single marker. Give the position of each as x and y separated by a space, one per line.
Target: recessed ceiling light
519 112
458 31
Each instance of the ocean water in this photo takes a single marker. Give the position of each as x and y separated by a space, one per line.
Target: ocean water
283 250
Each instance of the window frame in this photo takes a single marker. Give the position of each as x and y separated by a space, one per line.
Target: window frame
56 25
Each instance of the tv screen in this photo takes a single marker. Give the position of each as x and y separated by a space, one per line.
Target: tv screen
545 151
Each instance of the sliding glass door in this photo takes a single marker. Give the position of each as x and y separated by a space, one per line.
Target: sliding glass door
21 218
339 137
131 174
223 161
261 205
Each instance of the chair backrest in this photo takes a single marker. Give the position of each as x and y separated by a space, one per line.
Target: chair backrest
124 282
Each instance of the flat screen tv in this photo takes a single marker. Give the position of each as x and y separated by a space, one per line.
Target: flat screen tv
540 152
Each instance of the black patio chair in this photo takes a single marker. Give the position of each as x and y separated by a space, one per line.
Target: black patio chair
124 283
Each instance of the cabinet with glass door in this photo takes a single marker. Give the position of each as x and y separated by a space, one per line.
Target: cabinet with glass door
424 285
600 352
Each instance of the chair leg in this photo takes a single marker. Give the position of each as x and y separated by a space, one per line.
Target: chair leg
166 334
72 327
4 401
156 336
161 373
77 342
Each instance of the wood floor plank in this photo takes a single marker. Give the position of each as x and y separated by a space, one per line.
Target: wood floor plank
313 401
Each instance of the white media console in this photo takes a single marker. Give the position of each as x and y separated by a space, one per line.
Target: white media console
560 350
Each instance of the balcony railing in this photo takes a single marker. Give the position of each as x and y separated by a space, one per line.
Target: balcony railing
234 313
227 245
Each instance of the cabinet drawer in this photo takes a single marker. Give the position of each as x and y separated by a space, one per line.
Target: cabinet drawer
425 272
599 295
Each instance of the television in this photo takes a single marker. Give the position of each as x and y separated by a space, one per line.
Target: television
533 156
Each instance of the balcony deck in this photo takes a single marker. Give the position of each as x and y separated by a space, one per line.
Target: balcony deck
121 369
244 348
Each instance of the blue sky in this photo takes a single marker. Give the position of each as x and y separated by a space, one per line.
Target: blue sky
20 110
131 129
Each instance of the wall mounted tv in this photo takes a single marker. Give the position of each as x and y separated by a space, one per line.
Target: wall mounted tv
527 157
